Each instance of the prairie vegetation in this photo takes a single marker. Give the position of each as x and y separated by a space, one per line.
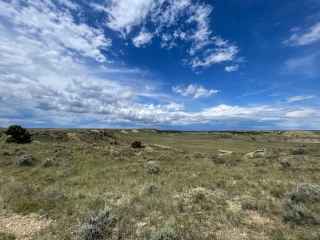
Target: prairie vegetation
149 184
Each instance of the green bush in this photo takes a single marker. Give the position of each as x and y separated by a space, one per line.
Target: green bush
271 155
294 208
165 233
98 227
136 144
285 165
6 153
298 213
17 134
217 159
153 170
151 188
305 193
299 151
197 155
26 160
249 205
49 162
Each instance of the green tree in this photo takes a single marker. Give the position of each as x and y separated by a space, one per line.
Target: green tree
136 144
18 134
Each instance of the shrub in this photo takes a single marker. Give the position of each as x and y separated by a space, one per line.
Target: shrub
298 213
26 160
164 158
151 188
220 182
6 153
234 162
197 155
49 162
271 155
61 151
248 205
153 170
217 159
199 197
285 164
298 151
50 179
259 163
97 227
17 134
166 233
294 209
305 193
136 144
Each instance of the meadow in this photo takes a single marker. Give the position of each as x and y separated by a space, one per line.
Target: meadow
93 184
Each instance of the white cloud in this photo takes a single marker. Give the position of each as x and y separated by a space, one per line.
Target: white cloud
302 113
69 4
231 68
55 28
310 36
307 65
299 98
215 56
43 64
175 22
175 106
123 15
168 16
143 38
195 90
200 14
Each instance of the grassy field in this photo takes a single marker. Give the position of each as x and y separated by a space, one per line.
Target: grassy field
91 184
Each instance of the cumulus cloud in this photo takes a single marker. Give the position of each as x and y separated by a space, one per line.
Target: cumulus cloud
175 106
55 28
43 63
195 90
175 22
310 36
231 68
299 98
124 15
143 38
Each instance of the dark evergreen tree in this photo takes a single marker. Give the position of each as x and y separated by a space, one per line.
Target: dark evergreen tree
18 134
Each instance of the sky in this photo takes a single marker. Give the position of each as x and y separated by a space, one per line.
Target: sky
165 64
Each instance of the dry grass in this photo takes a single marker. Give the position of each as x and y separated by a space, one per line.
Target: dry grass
198 198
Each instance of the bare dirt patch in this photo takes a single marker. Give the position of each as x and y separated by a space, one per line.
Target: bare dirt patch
22 227
74 137
256 218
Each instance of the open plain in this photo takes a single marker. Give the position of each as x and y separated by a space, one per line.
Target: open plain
199 185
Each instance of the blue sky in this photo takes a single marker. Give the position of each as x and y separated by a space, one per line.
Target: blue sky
166 64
